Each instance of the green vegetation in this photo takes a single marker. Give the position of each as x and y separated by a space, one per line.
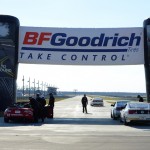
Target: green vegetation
47 100
108 97
21 100
112 99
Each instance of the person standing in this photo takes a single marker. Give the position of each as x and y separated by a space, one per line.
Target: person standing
51 105
84 103
35 106
42 103
140 98
51 100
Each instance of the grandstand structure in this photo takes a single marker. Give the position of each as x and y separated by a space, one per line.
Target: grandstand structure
52 90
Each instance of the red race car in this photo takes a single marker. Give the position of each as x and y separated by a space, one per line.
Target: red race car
23 111
19 111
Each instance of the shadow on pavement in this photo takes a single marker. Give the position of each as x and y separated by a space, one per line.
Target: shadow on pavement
84 121
144 126
75 121
67 121
18 123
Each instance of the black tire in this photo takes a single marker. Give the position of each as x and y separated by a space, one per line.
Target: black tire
6 120
125 122
121 120
114 118
111 115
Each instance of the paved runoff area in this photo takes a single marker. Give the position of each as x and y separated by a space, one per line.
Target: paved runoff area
71 129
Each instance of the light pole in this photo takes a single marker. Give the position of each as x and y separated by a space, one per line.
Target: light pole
42 87
45 86
75 90
38 85
34 86
23 86
29 86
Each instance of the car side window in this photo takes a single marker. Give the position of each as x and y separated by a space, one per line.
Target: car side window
125 106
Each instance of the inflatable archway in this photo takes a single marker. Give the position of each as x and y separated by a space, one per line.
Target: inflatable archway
67 46
9 30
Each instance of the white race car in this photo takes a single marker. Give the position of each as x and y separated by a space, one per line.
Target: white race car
97 102
135 112
117 107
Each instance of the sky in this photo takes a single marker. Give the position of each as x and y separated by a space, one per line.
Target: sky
81 14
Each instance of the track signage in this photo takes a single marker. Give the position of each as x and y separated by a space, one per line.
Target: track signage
81 46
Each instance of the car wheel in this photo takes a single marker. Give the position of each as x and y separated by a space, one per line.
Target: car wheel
6 120
121 120
111 115
114 118
125 122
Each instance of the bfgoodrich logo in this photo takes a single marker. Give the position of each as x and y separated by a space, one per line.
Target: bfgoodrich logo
60 39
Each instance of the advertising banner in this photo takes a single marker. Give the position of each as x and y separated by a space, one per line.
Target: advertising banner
9 29
81 46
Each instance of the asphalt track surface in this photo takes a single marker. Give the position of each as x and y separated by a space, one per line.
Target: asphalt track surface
71 129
